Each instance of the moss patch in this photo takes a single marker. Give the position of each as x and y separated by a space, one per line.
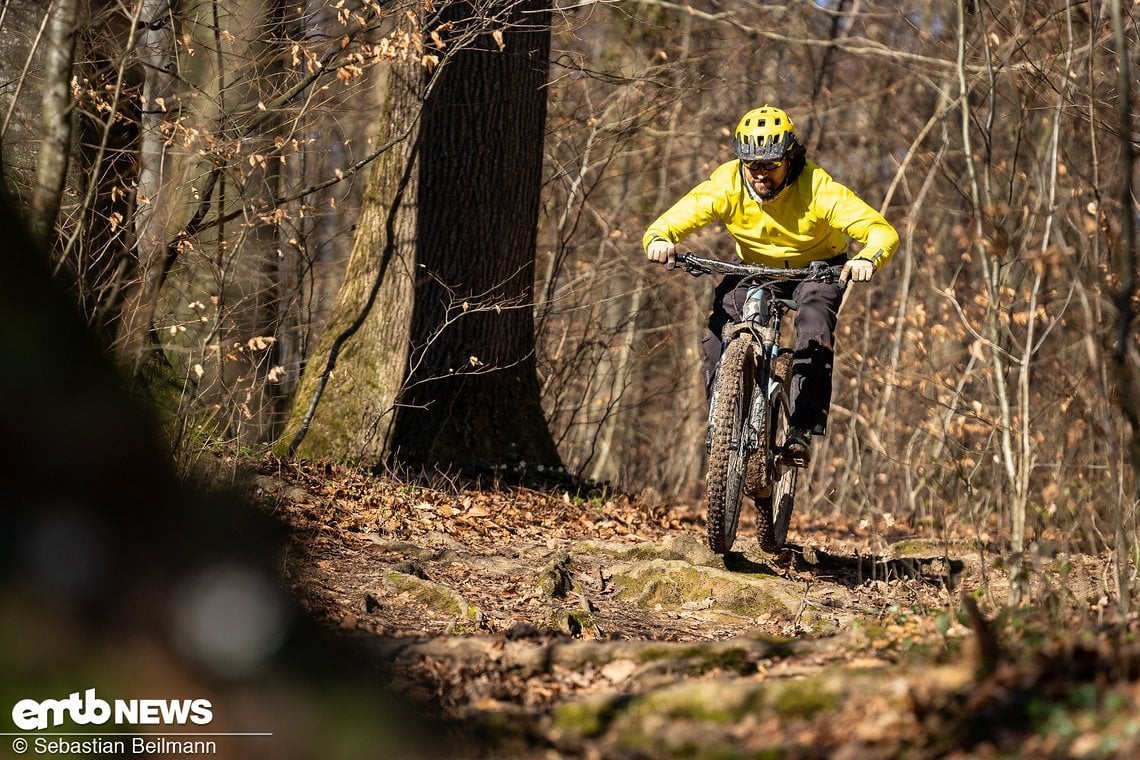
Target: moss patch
438 598
696 720
571 622
711 592
805 699
934 547
589 717
555 580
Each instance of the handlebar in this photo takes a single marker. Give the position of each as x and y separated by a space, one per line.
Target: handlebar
817 270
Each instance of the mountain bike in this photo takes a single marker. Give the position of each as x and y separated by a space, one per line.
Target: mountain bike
750 406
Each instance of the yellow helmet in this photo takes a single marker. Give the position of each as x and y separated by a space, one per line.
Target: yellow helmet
764 134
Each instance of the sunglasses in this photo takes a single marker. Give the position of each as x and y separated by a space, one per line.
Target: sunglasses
763 166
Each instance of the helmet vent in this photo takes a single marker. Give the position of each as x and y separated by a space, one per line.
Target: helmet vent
764 134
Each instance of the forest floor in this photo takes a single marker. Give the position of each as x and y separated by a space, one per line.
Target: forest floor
551 623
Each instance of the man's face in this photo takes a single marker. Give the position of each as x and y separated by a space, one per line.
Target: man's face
766 176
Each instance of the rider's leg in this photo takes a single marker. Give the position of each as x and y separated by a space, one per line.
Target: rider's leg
728 300
817 305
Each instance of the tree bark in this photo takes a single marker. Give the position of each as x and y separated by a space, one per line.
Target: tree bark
358 365
472 393
429 359
1124 359
23 27
55 148
154 208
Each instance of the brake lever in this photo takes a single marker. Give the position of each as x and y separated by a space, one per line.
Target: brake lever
825 272
686 262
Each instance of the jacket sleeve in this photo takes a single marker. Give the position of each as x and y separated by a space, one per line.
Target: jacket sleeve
846 211
698 207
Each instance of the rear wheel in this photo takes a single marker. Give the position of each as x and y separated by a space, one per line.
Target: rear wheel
728 421
774 509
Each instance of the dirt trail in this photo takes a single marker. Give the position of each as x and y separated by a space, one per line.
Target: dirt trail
604 628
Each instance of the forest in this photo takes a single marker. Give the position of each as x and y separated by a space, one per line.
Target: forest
335 316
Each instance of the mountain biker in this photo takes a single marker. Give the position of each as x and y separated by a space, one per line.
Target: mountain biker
783 211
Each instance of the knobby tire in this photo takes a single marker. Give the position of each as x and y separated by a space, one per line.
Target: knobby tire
724 481
774 508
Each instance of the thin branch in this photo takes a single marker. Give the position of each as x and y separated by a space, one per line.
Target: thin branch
853 45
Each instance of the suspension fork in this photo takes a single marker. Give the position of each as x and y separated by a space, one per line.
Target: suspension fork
767 344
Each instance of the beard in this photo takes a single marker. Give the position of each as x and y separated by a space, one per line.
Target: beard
766 187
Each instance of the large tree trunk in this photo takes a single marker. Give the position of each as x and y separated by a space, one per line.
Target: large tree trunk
429 359
472 396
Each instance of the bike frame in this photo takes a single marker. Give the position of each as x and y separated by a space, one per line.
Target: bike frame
762 316
761 319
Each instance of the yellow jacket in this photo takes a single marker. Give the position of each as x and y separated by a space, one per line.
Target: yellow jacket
810 220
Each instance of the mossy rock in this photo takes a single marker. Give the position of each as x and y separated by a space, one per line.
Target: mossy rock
677 585
667 721
444 601
556 579
571 622
701 658
589 717
684 547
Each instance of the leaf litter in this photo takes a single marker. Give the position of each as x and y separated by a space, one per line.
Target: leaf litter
877 656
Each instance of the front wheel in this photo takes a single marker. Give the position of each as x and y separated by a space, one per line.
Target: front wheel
733 389
774 509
